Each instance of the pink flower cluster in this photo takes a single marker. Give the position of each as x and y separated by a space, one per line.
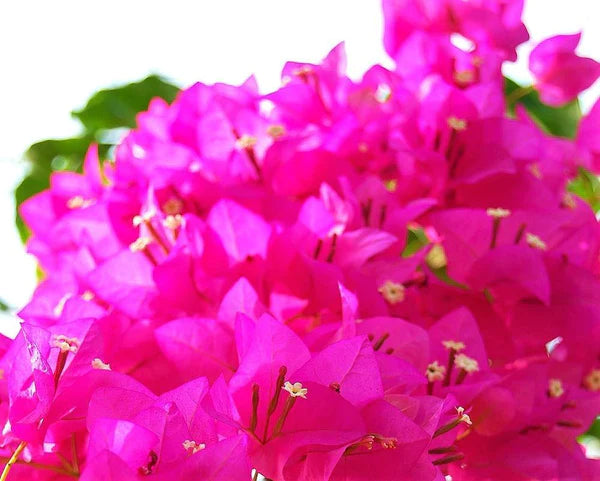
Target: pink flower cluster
375 280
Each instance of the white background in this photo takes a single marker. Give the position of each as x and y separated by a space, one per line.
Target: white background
54 55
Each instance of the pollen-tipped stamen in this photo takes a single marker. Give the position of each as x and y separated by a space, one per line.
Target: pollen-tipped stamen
462 417
497 215
453 349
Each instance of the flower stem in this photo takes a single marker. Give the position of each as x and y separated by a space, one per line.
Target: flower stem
12 460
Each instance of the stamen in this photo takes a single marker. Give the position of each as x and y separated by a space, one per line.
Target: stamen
302 71
366 442
276 131
462 417
447 449
436 257
497 215
366 210
296 389
435 372
370 441
535 170
382 215
457 124
173 222
568 201
555 388
592 380
453 347
98 364
66 345
466 365
255 399
335 387
535 242
391 185
392 292
192 447
172 206
464 77
78 202
149 466
380 341
87 295
141 245
279 383
570 424
245 142
520 233
448 459
146 219
318 249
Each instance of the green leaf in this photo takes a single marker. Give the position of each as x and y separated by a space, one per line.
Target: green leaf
4 307
104 114
117 107
415 241
559 121
587 186
442 274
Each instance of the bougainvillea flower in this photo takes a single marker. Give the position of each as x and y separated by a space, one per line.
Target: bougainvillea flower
559 72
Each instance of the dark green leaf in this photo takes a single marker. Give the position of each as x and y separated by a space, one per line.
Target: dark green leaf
117 107
4 306
587 186
560 121
415 241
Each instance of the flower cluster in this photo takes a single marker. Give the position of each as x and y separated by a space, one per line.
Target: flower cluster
382 279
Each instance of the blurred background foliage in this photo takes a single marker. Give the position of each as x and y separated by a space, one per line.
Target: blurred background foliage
103 119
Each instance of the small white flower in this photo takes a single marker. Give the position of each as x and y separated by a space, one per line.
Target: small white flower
64 343
462 416
555 388
98 364
245 142
498 212
392 292
466 363
456 123
435 372
535 242
296 389
140 244
192 447
453 345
